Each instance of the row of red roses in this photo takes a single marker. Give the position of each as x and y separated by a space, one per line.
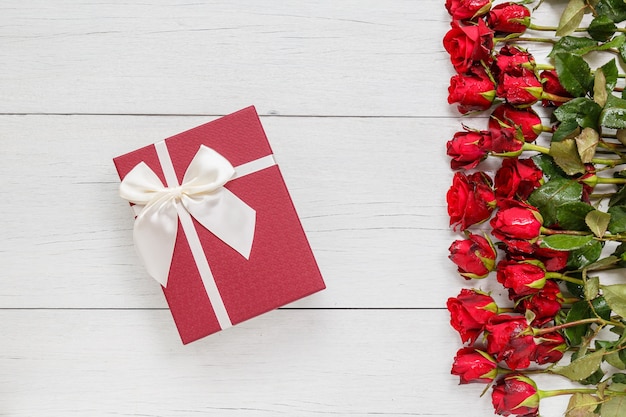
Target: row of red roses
526 332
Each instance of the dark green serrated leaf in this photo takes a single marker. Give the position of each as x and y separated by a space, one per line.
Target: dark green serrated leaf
553 194
618 219
603 263
578 45
601 307
574 73
571 216
565 130
622 55
613 9
565 242
601 28
619 198
614 113
611 73
581 109
566 155
584 256
579 310
548 166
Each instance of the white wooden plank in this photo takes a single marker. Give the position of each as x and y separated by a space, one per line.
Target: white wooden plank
357 57
371 194
290 362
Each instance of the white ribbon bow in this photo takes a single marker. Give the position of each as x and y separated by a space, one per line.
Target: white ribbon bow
202 194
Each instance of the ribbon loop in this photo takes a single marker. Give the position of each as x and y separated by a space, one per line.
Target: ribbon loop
201 194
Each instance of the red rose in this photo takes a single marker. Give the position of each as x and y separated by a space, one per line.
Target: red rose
544 304
467 9
516 220
552 86
509 339
474 256
550 348
506 140
517 178
553 260
468 149
521 91
516 394
511 60
468 45
523 278
469 312
473 91
524 119
473 365
470 199
505 18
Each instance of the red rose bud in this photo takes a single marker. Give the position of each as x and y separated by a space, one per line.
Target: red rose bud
517 179
550 348
516 220
474 256
553 260
545 304
511 60
473 91
524 119
469 312
506 141
467 149
468 45
521 91
509 18
509 339
516 394
470 199
474 365
523 278
552 86
467 9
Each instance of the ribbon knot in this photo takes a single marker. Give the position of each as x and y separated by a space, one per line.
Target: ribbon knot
201 194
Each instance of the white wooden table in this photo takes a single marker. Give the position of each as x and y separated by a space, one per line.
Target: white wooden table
352 95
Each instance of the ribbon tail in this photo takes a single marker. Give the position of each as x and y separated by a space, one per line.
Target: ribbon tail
154 234
229 218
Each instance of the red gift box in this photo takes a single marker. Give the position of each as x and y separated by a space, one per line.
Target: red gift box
210 285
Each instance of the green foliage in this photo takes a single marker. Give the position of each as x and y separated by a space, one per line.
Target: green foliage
553 194
615 10
601 28
574 73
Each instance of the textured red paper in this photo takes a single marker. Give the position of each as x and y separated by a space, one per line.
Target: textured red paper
281 268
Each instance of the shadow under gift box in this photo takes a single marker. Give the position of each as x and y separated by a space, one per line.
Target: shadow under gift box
281 267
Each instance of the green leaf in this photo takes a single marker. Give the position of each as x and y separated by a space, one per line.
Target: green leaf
619 198
548 166
614 113
585 256
615 296
579 310
571 17
565 242
553 194
622 55
581 109
613 9
603 263
565 130
582 367
578 45
611 73
601 28
571 216
601 307
599 88
592 288
614 407
617 224
586 144
574 73
582 405
598 221
565 154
